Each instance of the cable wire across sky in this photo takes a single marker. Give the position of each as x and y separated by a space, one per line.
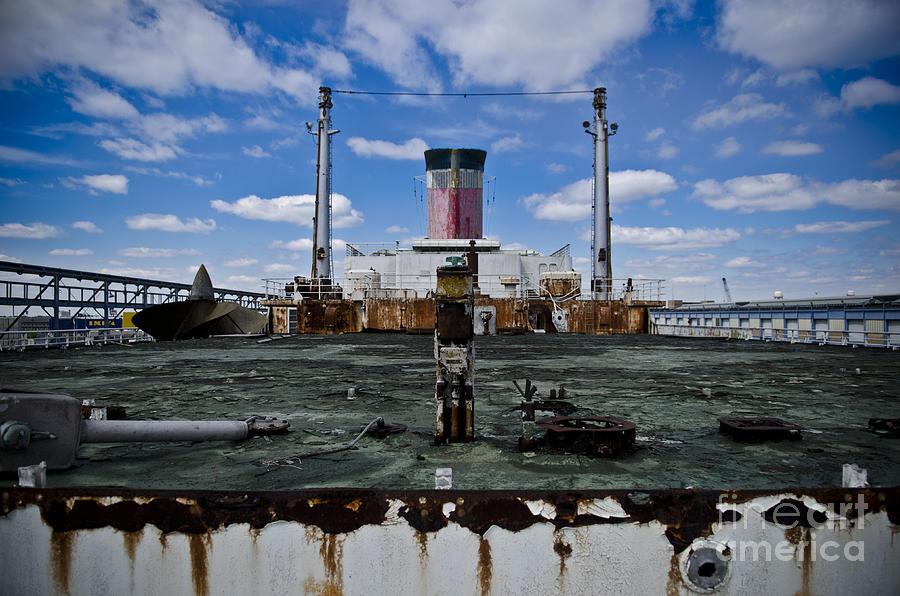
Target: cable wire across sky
460 94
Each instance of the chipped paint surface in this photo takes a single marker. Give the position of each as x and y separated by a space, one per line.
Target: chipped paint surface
85 541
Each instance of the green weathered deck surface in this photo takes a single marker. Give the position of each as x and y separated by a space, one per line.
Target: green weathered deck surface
656 382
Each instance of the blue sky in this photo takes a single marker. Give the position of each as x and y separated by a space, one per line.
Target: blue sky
758 140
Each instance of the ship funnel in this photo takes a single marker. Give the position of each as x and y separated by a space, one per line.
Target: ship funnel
455 186
202 288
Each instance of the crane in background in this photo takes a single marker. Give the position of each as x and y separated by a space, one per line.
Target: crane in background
728 297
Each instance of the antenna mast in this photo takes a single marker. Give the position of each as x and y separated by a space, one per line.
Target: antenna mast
601 261
321 261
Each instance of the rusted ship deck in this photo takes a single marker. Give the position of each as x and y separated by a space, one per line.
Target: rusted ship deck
674 390
688 510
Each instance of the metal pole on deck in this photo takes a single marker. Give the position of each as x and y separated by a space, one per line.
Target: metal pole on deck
321 261
601 262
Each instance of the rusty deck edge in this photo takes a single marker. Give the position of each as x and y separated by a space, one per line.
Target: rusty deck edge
687 513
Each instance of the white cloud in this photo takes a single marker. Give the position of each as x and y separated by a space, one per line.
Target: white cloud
396 230
91 100
16 155
197 180
95 129
71 252
87 226
502 44
787 192
152 273
300 244
114 183
412 149
691 279
168 128
888 160
746 194
728 147
169 223
797 77
570 203
241 262
9 259
556 168
631 185
142 252
296 209
792 148
673 238
656 203
506 144
863 194
810 33
243 279
869 92
755 78
10 182
655 134
255 151
742 108
280 268
573 201
134 149
33 231
742 262
169 49
839 227
667 151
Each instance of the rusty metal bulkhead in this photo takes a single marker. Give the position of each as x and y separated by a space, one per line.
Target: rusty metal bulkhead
453 351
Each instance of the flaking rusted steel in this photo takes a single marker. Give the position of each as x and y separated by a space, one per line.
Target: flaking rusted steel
417 315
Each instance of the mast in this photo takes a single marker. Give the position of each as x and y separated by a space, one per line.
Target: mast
321 261
601 261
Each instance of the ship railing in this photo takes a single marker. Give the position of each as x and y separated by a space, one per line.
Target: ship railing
279 288
642 289
852 338
365 249
63 338
502 285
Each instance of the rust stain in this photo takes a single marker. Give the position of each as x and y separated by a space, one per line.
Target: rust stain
676 582
564 550
485 569
331 549
61 558
422 537
130 541
199 563
354 505
794 535
806 554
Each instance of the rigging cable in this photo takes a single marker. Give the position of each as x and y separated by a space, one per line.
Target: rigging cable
459 94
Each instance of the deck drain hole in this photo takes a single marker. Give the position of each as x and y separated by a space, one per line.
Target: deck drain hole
705 566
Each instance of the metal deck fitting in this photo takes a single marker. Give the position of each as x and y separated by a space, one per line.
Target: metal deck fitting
759 429
592 435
